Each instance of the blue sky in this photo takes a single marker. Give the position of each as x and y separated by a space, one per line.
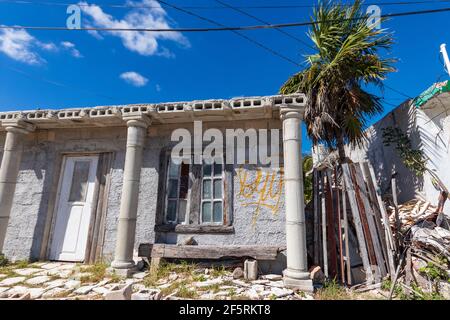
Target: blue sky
60 69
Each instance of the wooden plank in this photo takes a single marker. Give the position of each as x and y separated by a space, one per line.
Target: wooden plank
339 217
387 227
380 262
378 218
161 250
324 227
362 216
316 212
194 228
348 262
331 231
397 219
358 226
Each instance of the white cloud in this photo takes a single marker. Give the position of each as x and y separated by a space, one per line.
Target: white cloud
71 48
134 78
19 45
144 43
158 88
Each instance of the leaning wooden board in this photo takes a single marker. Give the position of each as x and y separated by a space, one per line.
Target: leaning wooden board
358 225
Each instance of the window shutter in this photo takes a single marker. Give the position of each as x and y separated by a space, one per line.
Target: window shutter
228 195
195 200
160 209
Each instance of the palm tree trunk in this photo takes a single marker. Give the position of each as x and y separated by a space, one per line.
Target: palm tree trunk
341 148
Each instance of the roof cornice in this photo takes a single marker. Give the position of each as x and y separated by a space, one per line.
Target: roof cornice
266 107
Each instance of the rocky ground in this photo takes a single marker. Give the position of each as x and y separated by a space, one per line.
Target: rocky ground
54 280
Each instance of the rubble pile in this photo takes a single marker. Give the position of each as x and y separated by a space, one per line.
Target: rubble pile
423 239
410 212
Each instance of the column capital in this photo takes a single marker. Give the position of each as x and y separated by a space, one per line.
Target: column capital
292 111
137 120
18 126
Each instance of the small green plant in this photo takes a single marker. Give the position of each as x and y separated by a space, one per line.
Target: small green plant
3 260
272 296
199 278
22 264
232 292
413 159
186 293
332 291
418 294
433 272
218 271
214 288
96 272
166 268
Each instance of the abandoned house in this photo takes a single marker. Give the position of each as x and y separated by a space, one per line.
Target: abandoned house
425 123
95 183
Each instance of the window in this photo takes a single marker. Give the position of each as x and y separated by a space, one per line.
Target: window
177 192
195 197
212 193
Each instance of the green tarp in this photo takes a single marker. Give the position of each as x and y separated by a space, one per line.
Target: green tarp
435 89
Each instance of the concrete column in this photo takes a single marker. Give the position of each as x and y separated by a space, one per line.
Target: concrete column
12 154
123 262
296 274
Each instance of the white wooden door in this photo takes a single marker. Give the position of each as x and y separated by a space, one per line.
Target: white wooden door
76 195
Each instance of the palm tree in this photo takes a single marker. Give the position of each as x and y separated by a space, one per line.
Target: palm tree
346 60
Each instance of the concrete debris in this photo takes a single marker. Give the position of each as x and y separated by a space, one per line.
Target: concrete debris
173 286
238 273
122 293
251 269
12 281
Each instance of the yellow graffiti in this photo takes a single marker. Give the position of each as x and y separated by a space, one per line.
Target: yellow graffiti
264 191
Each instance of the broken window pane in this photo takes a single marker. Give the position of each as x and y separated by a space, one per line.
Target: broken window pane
79 185
173 188
217 169
206 170
184 181
217 211
218 189
171 210
206 212
173 170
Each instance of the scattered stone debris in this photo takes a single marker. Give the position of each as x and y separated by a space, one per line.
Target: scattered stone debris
195 283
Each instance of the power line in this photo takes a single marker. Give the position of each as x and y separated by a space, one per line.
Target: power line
58 84
398 91
265 22
257 43
286 6
222 27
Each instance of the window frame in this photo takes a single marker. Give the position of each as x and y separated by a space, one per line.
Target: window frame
167 198
212 200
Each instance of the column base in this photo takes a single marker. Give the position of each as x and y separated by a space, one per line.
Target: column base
297 281
123 269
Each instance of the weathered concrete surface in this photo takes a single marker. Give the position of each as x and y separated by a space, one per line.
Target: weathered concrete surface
429 130
254 221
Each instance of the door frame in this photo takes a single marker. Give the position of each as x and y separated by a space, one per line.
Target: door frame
97 221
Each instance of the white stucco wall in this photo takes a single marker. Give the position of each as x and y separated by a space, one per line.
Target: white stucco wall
429 130
258 217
